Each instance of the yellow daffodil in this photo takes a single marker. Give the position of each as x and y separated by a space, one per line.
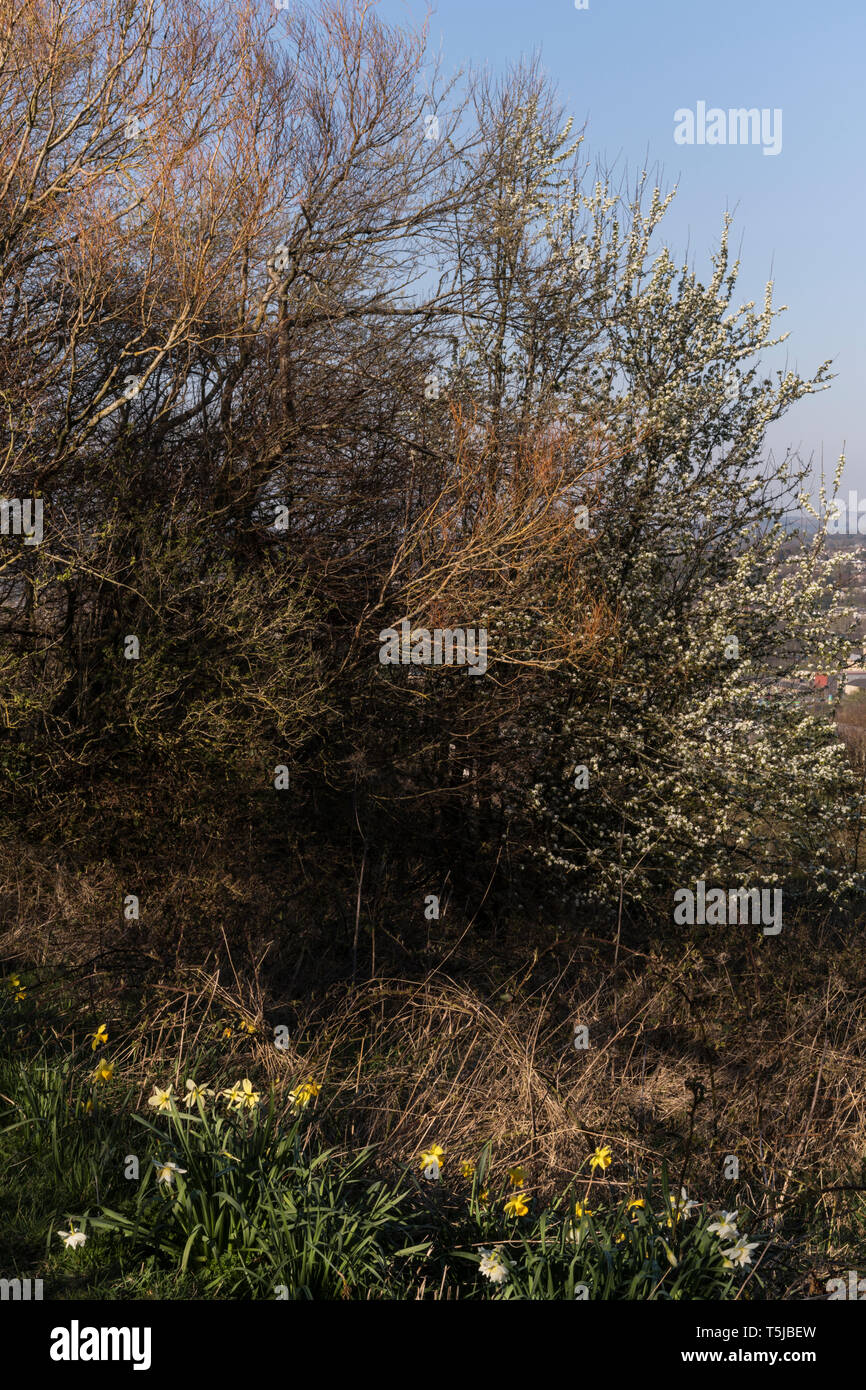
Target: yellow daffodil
467 1168
302 1095
636 1202
516 1177
161 1098
602 1158
433 1154
581 1210
431 1162
15 987
100 1037
516 1205
246 1027
484 1197
104 1072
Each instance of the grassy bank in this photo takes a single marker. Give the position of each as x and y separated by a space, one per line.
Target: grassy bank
568 1130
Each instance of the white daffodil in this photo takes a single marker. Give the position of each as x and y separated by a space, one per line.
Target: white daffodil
683 1205
725 1226
195 1093
161 1098
493 1266
165 1172
575 1231
739 1254
251 1096
71 1239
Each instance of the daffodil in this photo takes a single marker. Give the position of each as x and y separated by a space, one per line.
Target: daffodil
302 1095
104 1072
251 1097
574 1230
99 1038
516 1205
233 1094
739 1254
492 1265
165 1172
725 1226
484 1197
161 1099
516 1176
246 1027
467 1168
195 1093
72 1238
635 1203
431 1162
602 1158
15 987
683 1205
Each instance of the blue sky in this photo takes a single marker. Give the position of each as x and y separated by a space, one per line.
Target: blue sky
625 67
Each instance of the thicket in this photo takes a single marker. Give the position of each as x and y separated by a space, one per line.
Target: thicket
298 341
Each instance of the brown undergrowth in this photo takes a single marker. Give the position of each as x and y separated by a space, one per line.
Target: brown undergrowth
696 1056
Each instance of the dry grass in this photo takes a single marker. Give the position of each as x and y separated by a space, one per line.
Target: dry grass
406 1063
699 1050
